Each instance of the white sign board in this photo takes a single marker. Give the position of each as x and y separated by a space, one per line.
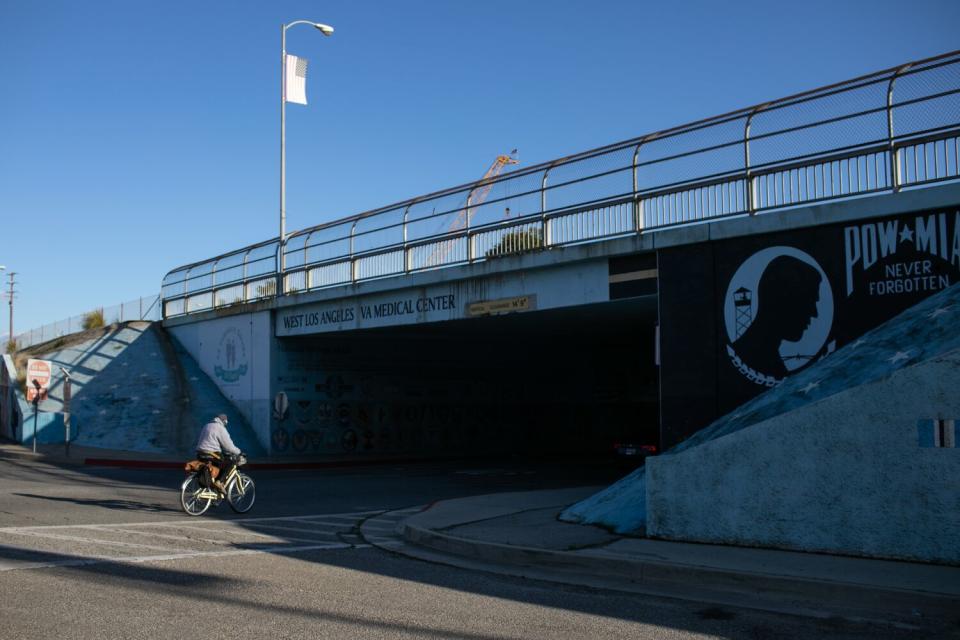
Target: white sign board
565 286
38 378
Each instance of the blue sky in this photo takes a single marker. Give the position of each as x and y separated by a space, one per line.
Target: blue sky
136 136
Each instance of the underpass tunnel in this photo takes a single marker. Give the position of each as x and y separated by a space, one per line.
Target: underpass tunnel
569 381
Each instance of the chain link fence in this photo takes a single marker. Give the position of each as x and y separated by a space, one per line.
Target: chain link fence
145 308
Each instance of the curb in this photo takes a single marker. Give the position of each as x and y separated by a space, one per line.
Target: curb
132 463
750 589
254 466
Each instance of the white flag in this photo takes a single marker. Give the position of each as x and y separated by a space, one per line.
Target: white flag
296 79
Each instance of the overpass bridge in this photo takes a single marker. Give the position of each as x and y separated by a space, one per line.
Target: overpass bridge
638 290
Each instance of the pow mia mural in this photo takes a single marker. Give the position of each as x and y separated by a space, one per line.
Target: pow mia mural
778 312
751 311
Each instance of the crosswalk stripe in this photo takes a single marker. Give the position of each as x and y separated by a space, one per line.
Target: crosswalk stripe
230 537
154 534
234 531
278 527
95 541
86 560
357 514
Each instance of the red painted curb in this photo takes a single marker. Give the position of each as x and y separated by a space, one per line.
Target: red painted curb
278 466
136 464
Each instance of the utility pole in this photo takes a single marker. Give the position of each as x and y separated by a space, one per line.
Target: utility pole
10 295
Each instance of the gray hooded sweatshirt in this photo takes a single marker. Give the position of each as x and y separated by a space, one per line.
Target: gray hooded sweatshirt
214 438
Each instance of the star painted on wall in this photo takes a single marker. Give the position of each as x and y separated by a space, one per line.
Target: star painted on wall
936 313
810 386
906 235
899 356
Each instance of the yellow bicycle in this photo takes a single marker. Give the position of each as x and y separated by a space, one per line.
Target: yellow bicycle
239 491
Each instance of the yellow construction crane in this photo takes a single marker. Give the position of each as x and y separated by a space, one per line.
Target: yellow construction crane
478 194
486 182
476 197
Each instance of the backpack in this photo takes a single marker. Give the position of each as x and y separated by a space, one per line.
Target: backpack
206 472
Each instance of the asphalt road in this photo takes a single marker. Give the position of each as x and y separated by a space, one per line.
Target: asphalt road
106 553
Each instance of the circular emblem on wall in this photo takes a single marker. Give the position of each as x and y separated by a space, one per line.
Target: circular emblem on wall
778 313
303 415
231 362
281 404
300 439
280 439
349 440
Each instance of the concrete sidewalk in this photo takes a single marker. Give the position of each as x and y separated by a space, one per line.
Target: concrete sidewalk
519 534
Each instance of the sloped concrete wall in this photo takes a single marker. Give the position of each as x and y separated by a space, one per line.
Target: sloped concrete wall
121 393
849 474
132 391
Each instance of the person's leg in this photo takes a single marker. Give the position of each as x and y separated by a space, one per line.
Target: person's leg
226 466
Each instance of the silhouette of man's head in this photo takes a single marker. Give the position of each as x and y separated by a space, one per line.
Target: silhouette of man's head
787 297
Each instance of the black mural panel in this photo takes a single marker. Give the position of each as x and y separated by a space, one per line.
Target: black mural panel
688 367
783 301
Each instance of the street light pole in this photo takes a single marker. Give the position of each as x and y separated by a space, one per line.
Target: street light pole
325 30
10 295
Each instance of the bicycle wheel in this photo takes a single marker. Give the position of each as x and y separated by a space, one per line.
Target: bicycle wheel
190 498
241 492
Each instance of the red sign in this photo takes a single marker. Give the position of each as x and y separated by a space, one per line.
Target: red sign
38 373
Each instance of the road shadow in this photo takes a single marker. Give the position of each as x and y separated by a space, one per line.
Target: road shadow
124 505
239 602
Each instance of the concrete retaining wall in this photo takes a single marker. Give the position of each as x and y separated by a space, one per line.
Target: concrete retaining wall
234 354
853 474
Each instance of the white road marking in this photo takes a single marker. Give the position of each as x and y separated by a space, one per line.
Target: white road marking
87 560
185 521
278 527
330 523
154 534
94 541
236 533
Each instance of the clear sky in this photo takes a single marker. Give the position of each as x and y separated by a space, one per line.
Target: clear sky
137 136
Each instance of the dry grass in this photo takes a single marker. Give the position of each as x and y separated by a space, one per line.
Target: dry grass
56 344
93 319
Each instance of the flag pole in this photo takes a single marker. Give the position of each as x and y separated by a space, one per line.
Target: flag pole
326 30
283 152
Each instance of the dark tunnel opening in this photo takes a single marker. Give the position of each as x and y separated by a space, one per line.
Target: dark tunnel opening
546 383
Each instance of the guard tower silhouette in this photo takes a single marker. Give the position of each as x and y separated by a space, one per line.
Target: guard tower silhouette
743 303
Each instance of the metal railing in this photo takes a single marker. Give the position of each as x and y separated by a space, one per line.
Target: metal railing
878 133
146 308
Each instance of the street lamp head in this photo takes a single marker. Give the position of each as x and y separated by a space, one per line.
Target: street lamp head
325 29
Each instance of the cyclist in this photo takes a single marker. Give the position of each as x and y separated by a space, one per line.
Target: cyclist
215 445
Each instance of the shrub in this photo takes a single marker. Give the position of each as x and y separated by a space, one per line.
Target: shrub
267 289
11 346
93 319
516 242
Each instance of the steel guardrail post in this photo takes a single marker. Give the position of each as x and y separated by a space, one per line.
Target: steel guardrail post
406 238
637 201
895 178
353 262
547 236
243 275
748 187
